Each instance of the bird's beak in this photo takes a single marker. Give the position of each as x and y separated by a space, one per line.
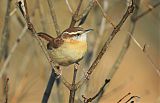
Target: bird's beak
88 30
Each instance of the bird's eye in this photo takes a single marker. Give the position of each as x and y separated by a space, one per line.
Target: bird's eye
78 34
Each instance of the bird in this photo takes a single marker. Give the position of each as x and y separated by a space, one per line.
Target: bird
67 48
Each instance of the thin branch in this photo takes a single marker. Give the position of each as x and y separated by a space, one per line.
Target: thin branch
129 100
13 12
67 84
126 44
73 21
6 90
147 11
5 33
69 7
77 17
101 90
23 7
48 90
54 18
108 18
86 11
124 97
92 53
14 47
108 41
33 31
73 89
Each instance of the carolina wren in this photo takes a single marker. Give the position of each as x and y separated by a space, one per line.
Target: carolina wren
67 48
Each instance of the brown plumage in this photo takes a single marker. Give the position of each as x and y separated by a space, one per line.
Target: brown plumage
67 48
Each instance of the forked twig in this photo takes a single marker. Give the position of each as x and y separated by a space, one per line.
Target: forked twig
101 90
129 100
126 45
86 11
124 97
73 21
108 41
77 17
73 87
23 7
147 11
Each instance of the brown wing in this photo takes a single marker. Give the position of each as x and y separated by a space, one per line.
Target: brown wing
45 36
52 42
57 42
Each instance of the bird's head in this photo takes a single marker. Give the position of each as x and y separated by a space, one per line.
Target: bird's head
75 33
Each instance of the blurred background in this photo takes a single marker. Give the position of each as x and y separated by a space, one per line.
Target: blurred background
28 70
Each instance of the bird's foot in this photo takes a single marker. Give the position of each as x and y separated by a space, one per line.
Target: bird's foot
59 71
76 65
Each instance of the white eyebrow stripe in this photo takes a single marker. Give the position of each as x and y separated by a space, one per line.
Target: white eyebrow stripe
72 32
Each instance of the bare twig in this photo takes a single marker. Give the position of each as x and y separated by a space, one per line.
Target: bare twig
77 17
13 12
33 31
123 97
108 18
14 47
6 90
108 41
126 43
67 84
53 14
101 30
101 90
86 11
129 100
24 12
5 33
73 89
73 21
147 11
69 7
4 46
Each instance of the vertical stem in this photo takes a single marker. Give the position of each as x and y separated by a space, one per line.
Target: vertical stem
73 22
73 89
4 47
5 34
